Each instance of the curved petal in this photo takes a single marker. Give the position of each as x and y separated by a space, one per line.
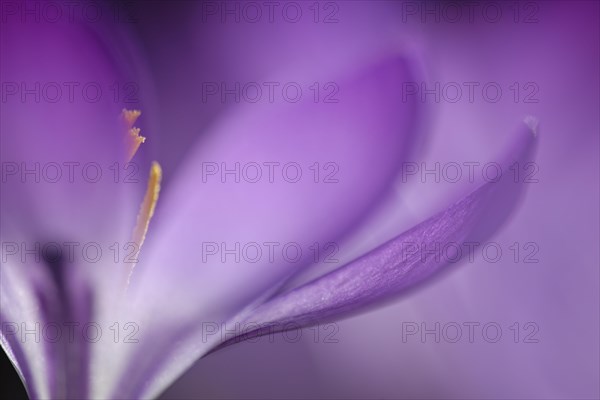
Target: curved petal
37 306
320 168
366 134
62 143
61 133
220 51
404 261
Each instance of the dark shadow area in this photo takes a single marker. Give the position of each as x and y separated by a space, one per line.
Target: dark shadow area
10 384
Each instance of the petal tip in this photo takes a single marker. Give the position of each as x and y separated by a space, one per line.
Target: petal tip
532 123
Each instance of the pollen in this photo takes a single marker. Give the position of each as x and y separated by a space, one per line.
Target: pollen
132 137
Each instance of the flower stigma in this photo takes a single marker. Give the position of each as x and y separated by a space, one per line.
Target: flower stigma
134 140
133 137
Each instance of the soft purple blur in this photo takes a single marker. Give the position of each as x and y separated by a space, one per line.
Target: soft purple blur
542 292
559 54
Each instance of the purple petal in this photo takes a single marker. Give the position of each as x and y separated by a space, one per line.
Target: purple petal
61 102
217 52
59 120
36 299
365 136
368 134
404 261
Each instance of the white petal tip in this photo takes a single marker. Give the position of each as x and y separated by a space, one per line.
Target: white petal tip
532 123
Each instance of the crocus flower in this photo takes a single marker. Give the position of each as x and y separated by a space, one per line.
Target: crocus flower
169 294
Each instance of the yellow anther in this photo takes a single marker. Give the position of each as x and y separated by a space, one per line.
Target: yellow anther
148 205
130 116
133 137
146 210
133 142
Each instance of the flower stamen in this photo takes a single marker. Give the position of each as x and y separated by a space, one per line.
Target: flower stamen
146 210
133 142
148 205
133 137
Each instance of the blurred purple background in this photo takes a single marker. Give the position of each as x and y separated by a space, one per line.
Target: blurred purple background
545 57
555 46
